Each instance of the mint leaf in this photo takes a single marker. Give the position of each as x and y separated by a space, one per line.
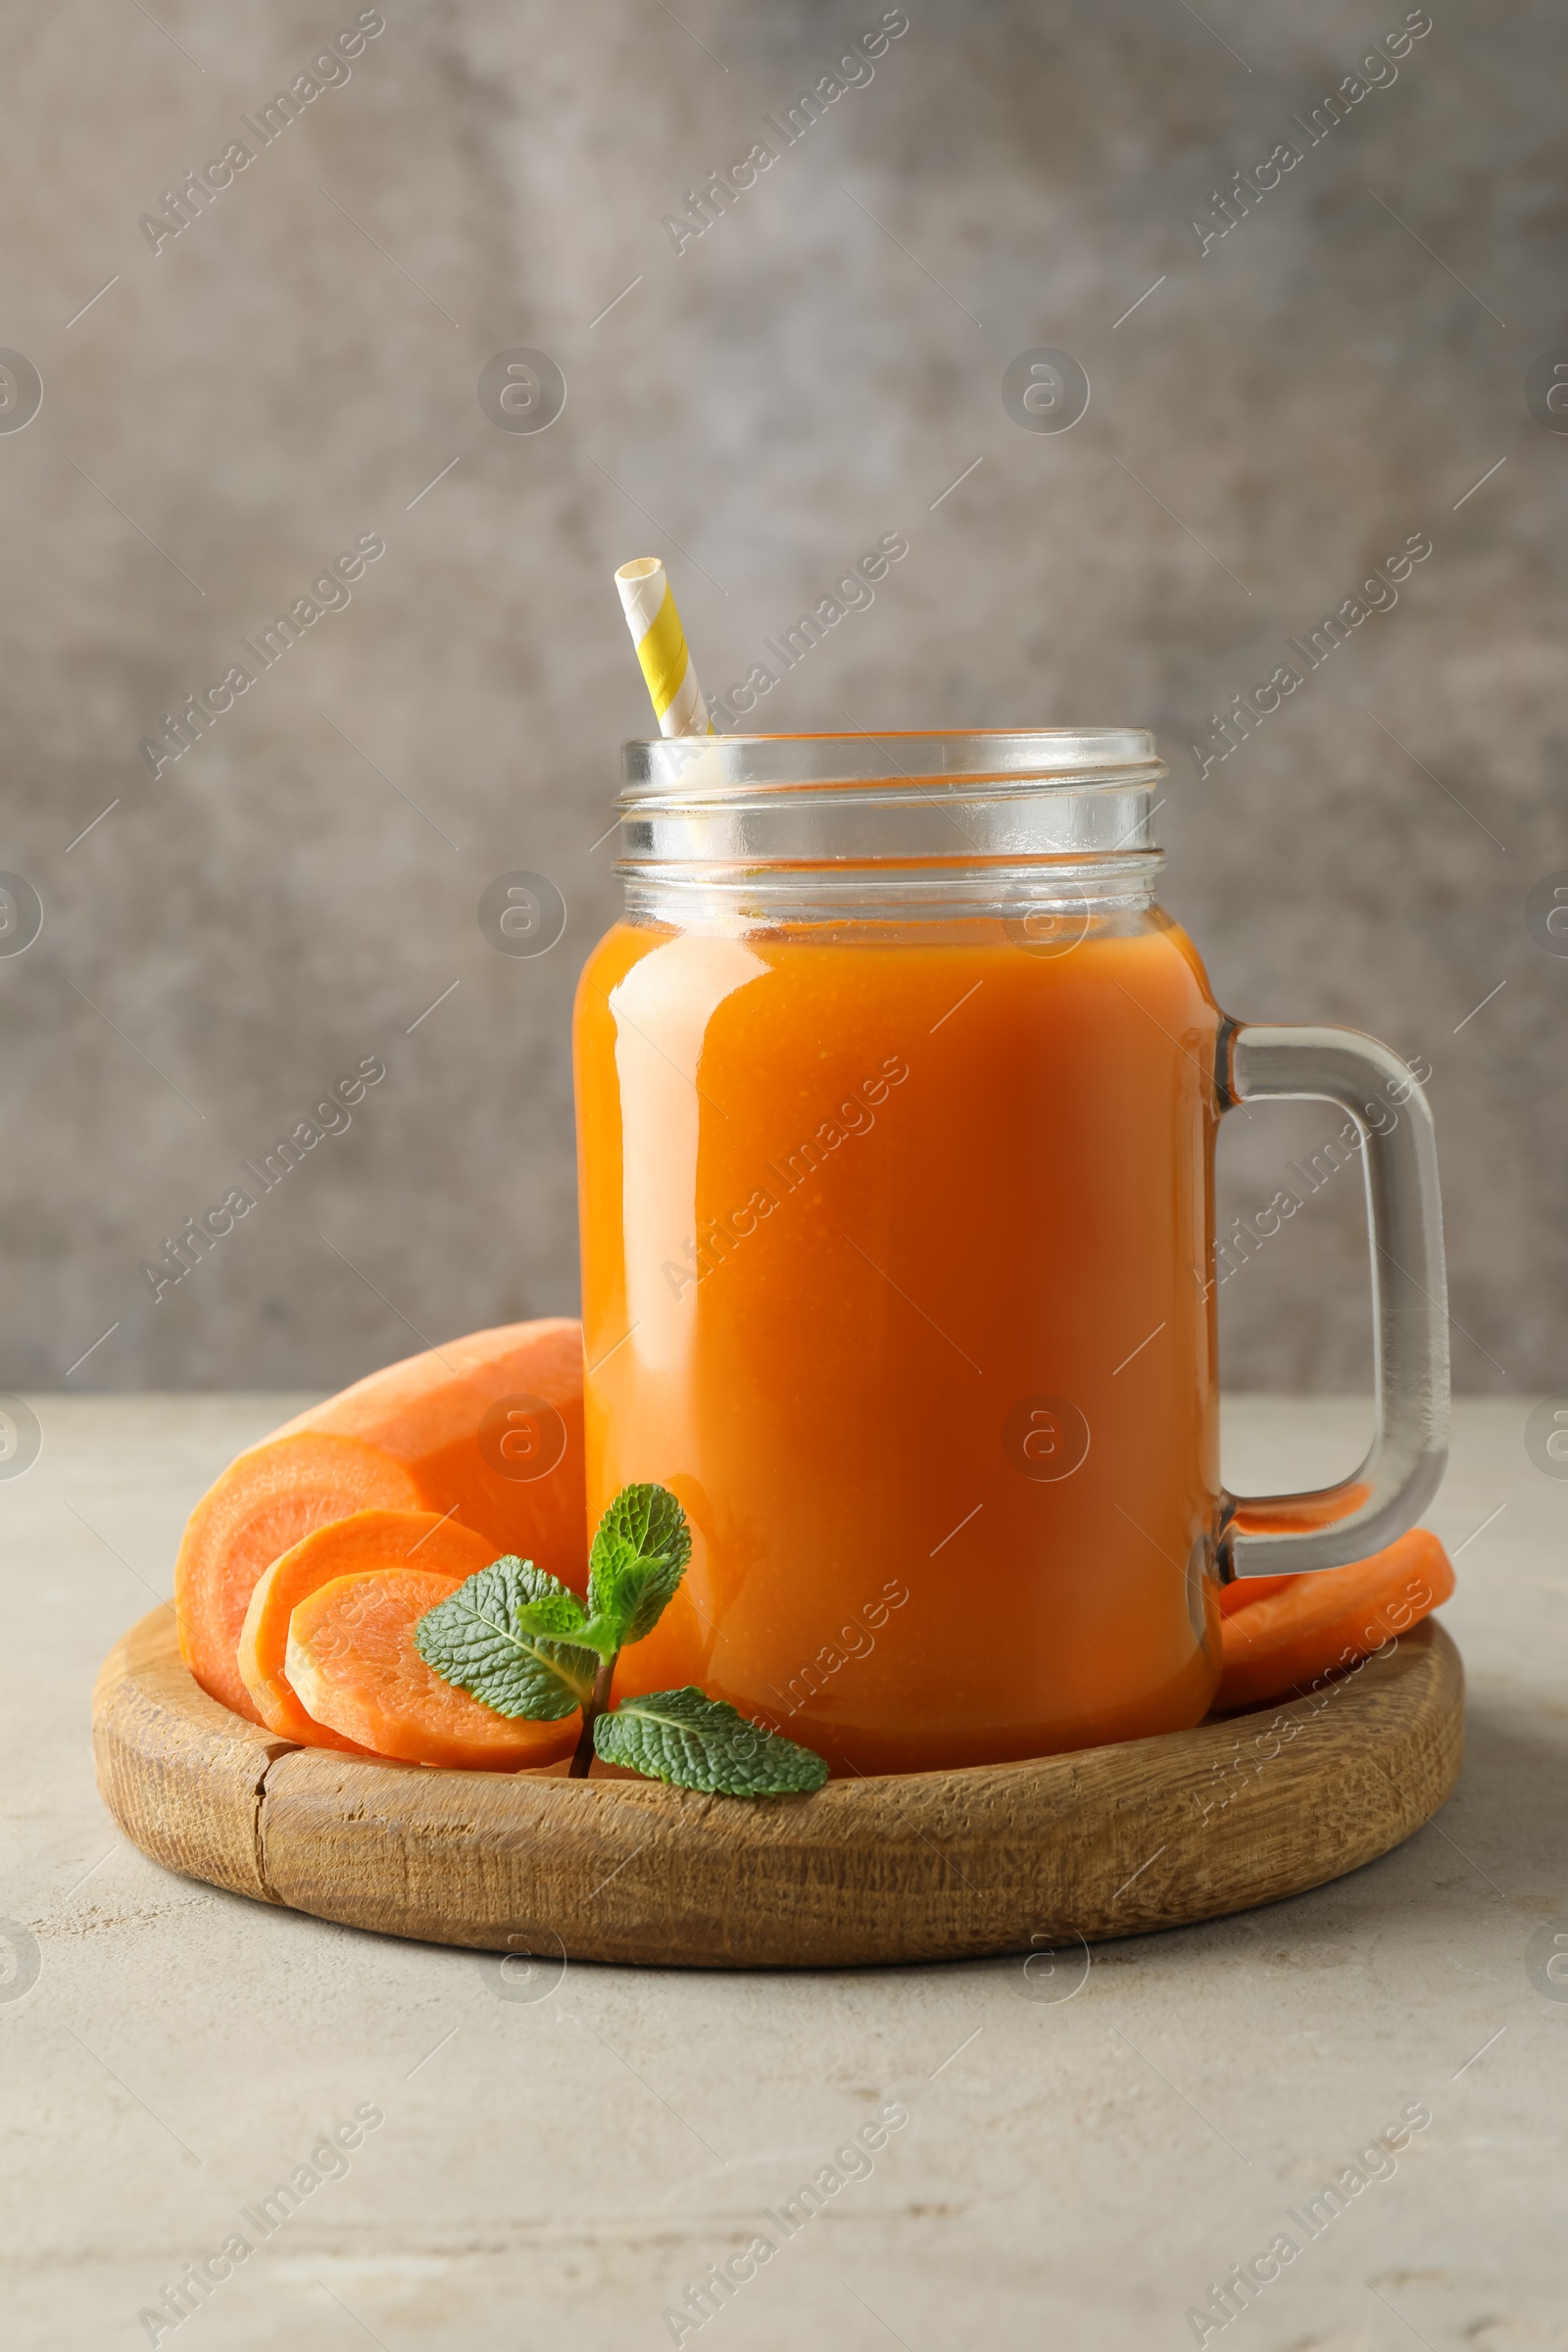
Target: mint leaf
602 1634
639 1556
497 1636
699 1742
557 1615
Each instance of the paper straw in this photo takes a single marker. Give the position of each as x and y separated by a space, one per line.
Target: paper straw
660 643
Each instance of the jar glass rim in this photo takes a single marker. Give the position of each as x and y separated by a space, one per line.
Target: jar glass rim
700 765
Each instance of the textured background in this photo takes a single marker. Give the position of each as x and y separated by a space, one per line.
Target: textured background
815 370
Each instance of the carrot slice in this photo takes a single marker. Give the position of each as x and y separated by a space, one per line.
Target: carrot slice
261 1507
351 1660
1327 1620
1243 1591
487 1428
366 1540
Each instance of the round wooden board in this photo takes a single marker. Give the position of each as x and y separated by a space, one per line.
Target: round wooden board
925 1866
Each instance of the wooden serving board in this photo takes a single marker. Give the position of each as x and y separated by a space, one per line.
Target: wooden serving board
924 1866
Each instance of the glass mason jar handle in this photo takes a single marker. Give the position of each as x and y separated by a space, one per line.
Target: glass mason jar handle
1282 1535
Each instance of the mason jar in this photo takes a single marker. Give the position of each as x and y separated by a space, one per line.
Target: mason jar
898 1095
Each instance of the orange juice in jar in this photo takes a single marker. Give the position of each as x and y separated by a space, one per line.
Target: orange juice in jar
896 1105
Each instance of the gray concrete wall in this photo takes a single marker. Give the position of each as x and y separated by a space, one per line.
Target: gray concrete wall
297 364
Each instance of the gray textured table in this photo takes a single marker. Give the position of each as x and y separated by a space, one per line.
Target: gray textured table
559 2158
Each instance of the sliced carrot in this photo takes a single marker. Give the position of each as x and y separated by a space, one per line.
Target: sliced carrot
351 1660
261 1507
1322 1622
1243 1591
366 1540
427 1434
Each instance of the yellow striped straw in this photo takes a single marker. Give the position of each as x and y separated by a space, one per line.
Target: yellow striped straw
660 643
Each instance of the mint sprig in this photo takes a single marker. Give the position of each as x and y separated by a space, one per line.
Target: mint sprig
523 1644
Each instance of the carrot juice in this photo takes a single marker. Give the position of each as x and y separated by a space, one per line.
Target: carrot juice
896 1247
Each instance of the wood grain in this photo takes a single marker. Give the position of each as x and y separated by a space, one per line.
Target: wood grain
928 1866
181 1775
